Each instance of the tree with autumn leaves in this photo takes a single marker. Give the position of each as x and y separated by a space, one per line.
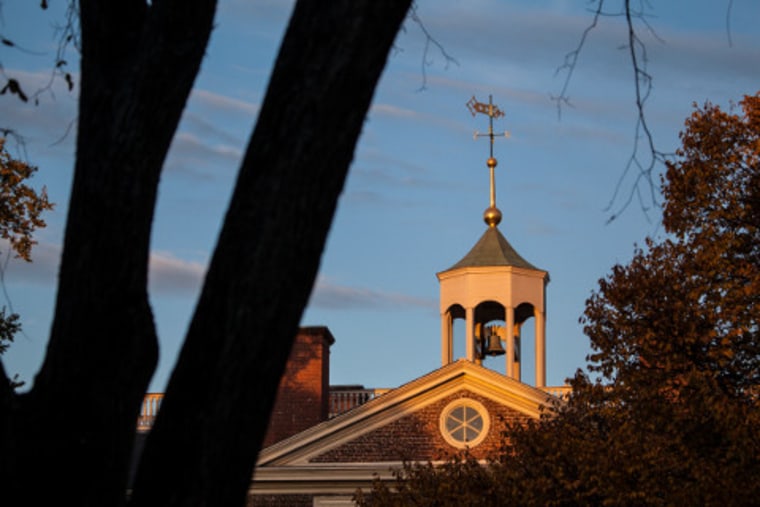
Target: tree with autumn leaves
667 410
21 207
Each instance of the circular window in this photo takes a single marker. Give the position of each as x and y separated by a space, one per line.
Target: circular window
464 423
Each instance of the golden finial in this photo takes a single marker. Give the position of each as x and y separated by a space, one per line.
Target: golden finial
492 215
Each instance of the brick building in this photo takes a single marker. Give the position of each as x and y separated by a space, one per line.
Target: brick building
325 442
463 404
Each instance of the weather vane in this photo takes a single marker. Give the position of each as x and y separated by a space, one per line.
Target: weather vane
492 111
492 215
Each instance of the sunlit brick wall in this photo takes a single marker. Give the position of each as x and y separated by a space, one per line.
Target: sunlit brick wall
302 399
417 436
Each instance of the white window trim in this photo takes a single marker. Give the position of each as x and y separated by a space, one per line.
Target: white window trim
475 405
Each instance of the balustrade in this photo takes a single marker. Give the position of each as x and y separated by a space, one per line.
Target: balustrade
341 400
561 392
344 400
149 410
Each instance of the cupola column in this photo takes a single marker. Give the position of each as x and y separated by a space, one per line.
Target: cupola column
447 338
540 317
518 352
470 333
509 333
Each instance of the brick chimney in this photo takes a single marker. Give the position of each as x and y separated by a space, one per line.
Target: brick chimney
304 393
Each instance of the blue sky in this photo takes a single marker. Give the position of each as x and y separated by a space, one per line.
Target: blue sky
413 201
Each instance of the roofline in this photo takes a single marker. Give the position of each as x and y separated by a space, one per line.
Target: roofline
397 402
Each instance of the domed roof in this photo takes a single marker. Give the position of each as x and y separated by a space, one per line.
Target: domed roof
493 249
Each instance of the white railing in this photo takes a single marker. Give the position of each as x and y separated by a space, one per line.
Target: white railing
149 410
343 400
561 392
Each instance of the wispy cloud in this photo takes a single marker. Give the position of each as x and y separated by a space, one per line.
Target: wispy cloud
212 135
167 273
328 295
406 114
45 119
43 269
201 126
194 156
375 170
275 12
395 112
222 103
381 157
530 43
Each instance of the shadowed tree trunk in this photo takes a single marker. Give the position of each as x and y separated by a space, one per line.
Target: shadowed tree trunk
69 439
218 401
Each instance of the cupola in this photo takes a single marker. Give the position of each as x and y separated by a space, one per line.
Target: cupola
493 288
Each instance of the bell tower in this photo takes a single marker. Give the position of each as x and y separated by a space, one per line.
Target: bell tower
493 289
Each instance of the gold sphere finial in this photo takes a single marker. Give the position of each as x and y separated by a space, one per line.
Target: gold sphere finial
492 216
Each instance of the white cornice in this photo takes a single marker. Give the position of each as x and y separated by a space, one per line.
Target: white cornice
490 270
320 478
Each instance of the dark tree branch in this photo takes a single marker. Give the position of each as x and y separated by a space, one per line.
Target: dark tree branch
18 141
69 127
6 258
644 167
571 62
430 43
68 35
643 88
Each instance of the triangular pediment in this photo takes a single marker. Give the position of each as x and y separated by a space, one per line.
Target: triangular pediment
459 378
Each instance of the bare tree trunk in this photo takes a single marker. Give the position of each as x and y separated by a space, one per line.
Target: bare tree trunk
69 439
206 439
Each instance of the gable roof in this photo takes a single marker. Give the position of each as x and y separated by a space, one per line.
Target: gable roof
299 449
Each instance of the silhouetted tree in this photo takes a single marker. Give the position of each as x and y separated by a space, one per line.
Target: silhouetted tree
68 440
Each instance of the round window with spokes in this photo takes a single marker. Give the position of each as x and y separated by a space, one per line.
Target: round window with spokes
464 423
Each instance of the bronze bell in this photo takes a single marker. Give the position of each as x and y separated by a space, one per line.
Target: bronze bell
494 347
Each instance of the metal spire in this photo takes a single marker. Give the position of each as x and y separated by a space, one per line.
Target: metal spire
492 215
